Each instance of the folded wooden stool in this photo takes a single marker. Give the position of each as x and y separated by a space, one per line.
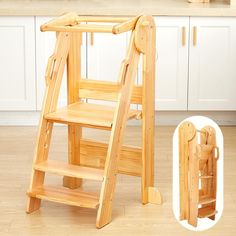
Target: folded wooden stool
198 172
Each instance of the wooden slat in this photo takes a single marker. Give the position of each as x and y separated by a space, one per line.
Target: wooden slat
93 154
206 200
81 28
65 196
125 26
193 180
205 176
207 211
66 19
187 132
107 19
87 115
103 90
60 168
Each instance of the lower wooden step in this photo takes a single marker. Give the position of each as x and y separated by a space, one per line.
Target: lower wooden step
206 212
64 169
206 200
66 196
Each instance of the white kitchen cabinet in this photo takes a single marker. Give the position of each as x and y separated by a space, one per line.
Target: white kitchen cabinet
45 43
104 56
212 63
17 63
172 63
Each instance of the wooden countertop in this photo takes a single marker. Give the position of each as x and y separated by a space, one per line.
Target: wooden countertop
117 7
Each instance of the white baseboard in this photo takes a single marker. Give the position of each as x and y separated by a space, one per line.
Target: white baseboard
27 118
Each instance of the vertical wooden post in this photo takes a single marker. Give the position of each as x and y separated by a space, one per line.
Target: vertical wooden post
74 132
187 132
193 155
148 108
212 169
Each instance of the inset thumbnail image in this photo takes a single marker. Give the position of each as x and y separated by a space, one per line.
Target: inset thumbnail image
198 173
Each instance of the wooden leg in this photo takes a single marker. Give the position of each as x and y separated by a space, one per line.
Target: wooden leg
33 204
187 132
147 44
127 76
193 182
104 214
74 132
41 154
53 75
74 135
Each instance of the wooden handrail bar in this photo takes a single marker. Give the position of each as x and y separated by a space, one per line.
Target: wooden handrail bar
125 26
64 20
104 19
81 28
71 22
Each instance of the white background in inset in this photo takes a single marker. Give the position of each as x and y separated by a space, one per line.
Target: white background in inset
204 223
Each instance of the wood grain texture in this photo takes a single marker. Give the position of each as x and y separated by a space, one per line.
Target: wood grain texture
103 90
129 162
193 181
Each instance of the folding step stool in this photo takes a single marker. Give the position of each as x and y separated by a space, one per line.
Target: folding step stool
198 168
90 159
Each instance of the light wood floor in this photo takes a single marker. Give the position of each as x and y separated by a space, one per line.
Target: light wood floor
129 216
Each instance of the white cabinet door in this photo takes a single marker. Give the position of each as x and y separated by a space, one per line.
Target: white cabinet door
212 64
17 63
172 63
104 56
45 43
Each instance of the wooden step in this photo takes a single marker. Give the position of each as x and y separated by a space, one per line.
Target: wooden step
66 196
206 212
87 115
206 200
206 176
64 169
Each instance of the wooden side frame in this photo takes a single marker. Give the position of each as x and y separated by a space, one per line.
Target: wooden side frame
145 42
187 132
54 73
73 79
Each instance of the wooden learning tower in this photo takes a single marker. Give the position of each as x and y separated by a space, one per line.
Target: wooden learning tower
89 159
197 172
